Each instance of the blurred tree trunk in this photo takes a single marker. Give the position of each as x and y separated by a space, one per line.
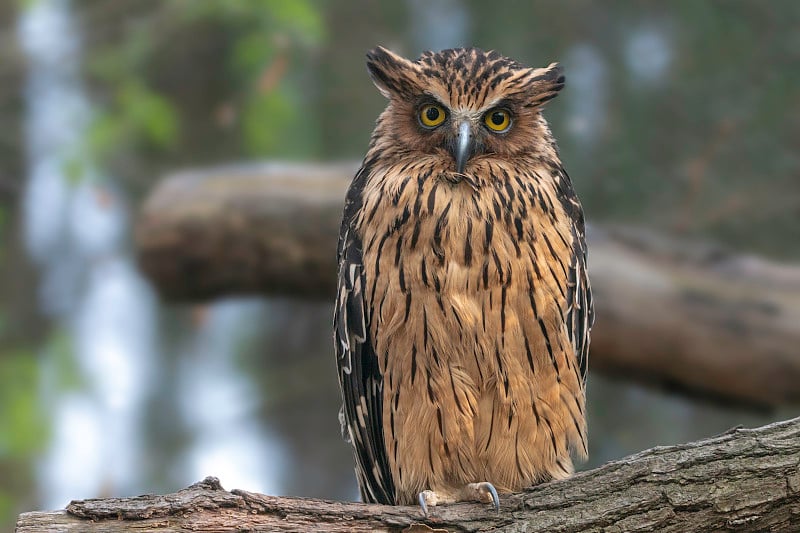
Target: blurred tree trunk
671 312
743 480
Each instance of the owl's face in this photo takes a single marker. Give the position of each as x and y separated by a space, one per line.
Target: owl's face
463 104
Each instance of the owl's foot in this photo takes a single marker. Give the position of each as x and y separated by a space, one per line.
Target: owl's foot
472 492
427 498
484 492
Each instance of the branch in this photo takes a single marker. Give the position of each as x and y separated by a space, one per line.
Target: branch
264 229
669 312
743 480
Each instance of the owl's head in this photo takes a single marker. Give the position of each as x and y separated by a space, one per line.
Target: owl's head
463 103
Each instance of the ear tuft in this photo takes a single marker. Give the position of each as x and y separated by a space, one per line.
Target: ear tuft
545 83
390 72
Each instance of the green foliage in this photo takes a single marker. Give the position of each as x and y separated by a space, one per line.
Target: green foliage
136 118
22 422
266 116
61 362
257 46
7 501
138 114
272 116
274 124
26 4
302 19
23 430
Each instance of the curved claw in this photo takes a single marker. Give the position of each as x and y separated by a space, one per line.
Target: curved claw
495 497
422 503
491 490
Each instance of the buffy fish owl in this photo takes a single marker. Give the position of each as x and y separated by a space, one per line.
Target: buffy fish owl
463 308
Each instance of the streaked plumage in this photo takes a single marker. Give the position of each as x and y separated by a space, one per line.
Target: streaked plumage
463 310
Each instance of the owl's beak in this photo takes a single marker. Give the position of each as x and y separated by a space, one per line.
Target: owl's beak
463 146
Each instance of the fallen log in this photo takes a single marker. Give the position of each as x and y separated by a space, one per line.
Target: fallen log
744 480
684 315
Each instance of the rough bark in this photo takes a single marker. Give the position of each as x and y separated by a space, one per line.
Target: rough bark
743 480
670 312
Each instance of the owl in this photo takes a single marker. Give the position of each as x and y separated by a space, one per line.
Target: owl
463 308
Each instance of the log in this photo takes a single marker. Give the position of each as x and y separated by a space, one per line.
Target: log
684 315
744 480
259 229
694 317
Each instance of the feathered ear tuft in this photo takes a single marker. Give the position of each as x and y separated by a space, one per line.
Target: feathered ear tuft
544 84
391 73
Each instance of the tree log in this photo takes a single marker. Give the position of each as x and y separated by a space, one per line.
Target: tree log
743 480
260 229
686 315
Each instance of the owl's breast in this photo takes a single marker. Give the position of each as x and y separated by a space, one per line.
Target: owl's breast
433 246
435 232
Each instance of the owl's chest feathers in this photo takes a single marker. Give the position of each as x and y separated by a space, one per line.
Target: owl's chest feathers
466 291
442 237
452 260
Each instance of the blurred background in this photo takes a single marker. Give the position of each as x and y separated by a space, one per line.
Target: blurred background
681 117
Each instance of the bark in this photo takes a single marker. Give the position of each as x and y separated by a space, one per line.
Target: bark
695 317
743 480
685 315
265 229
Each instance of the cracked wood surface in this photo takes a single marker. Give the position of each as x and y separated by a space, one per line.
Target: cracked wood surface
746 480
671 312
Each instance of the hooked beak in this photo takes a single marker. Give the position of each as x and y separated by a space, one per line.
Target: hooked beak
463 146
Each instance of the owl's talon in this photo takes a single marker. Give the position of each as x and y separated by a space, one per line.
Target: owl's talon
427 498
485 492
422 504
495 497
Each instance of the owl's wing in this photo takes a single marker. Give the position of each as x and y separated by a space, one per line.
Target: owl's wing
359 374
580 314
580 306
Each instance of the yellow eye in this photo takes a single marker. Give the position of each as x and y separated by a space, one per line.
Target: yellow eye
431 115
497 120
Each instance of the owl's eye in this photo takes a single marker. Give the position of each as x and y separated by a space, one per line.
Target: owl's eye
497 120
431 115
